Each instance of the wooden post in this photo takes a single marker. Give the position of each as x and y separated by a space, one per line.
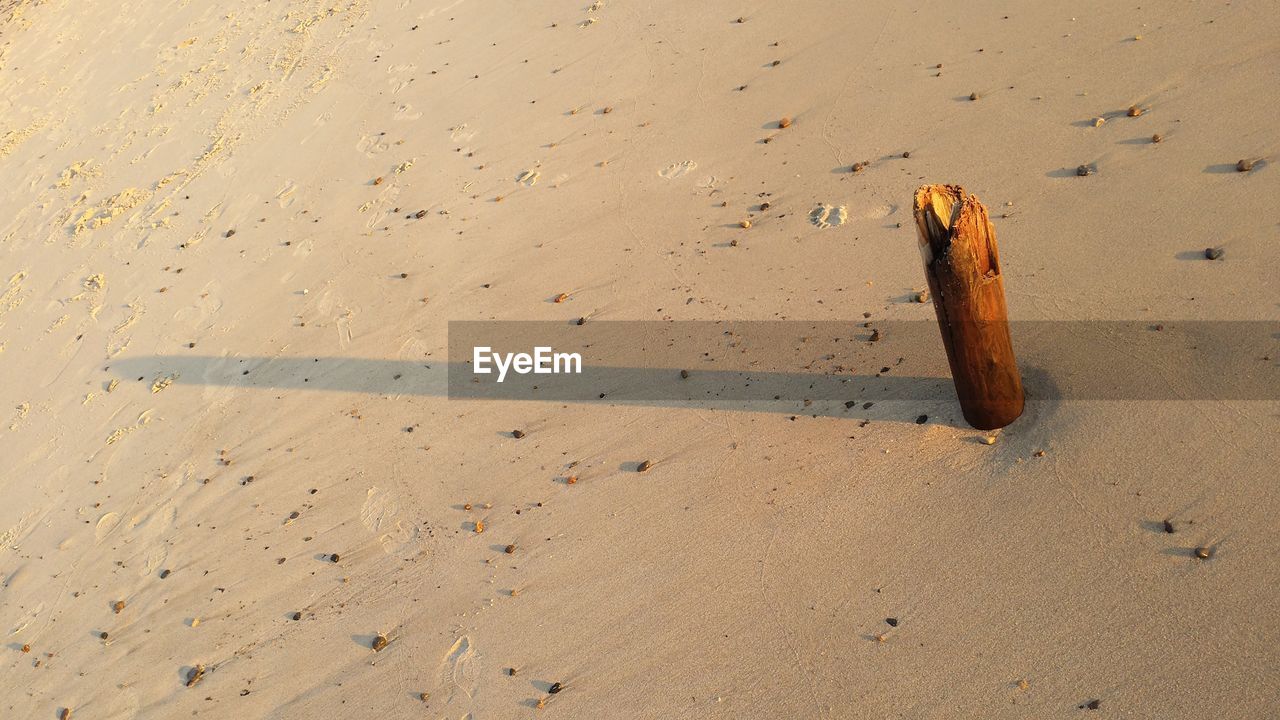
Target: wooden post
961 262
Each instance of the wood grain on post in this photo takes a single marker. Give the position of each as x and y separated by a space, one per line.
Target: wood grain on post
961 262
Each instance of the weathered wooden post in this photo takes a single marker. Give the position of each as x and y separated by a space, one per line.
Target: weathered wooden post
962 265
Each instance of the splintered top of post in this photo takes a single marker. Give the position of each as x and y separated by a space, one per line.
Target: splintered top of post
953 224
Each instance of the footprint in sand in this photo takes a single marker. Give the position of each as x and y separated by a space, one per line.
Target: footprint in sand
406 112
400 76
462 134
880 212
460 668
528 178
380 515
675 170
106 524
825 216
371 145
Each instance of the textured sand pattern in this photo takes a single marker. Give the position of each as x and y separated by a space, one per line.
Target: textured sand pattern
233 236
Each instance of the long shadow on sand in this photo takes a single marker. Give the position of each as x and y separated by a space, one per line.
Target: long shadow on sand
856 396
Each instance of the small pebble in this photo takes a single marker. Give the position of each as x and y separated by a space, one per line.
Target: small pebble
1134 111
1084 170
922 419
1204 552
297 616
379 642
684 374
860 166
118 607
1213 253
644 466
510 549
1091 705
1244 165
1168 526
555 688
517 434
784 122
1157 138
974 96
893 621
333 557
922 296
989 440
744 224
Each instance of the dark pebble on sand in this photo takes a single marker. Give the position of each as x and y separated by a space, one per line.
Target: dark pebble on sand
684 374
893 622
922 419
1091 705
517 434
1084 171
297 616
1168 526
1213 253
333 557
642 467
1204 553
555 688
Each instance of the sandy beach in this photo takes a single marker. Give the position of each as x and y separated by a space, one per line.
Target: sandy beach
242 475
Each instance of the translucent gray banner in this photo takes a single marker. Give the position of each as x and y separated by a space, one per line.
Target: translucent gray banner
704 361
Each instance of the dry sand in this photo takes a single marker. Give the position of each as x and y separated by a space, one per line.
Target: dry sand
191 215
